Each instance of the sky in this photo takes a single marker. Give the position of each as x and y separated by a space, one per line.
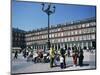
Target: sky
29 15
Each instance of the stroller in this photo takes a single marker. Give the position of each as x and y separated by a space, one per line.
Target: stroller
46 58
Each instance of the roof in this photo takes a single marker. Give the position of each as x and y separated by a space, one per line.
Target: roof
87 20
18 30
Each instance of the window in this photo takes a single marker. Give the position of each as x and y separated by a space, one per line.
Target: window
80 37
58 29
15 34
65 39
68 33
15 39
65 28
26 35
58 34
74 27
93 36
89 37
42 36
79 26
75 32
62 34
52 35
46 36
28 39
32 33
19 34
68 28
38 33
68 38
84 37
71 27
77 38
80 31
52 30
72 39
92 24
44 32
72 32
87 24
25 39
58 40
55 34
65 33
88 30
84 30
52 40
93 29
33 38
83 25
61 39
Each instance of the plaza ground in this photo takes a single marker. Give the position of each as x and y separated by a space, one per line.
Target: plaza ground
20 65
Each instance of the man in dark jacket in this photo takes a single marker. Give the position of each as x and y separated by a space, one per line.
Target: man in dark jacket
62 52
16 54
81 57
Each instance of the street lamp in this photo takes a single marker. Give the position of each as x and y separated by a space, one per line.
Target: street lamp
48 11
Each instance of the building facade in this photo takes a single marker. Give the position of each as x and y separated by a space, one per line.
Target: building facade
80 33
18 39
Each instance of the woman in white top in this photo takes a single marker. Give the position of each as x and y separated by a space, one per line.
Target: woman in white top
61 62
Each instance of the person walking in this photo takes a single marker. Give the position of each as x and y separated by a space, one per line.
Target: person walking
62 53
52 55
68 52
81 57
24 54
75 55
16 54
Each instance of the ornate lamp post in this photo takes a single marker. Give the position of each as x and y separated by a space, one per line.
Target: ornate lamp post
48 11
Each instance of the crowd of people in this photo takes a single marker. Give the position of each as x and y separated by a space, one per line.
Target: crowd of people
54 57
77 55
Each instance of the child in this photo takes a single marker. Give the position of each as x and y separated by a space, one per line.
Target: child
61 62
